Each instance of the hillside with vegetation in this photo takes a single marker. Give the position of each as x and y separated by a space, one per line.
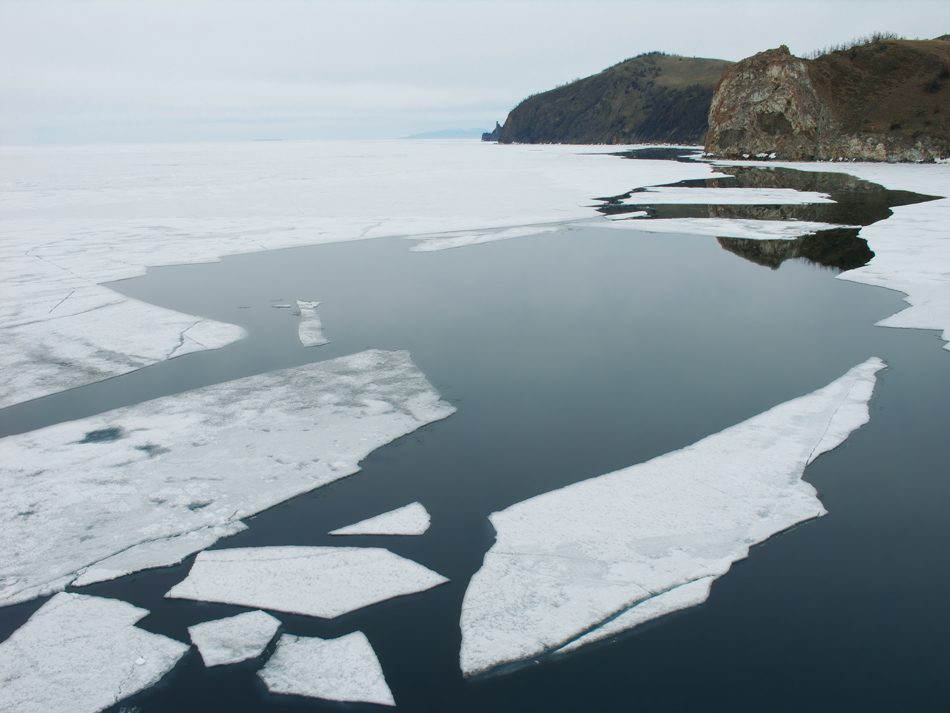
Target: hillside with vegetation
652 98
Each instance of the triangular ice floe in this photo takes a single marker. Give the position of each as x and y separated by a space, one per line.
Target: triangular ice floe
413 519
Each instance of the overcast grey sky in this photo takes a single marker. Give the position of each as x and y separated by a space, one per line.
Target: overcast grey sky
106 71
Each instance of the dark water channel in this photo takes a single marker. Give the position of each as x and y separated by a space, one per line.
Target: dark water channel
569 355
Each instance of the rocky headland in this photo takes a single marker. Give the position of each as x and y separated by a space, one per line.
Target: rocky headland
886 100
652 98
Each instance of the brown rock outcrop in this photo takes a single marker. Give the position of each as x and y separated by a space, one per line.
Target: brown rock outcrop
888 100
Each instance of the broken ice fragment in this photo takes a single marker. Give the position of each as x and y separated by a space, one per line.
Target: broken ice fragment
79 653
310 331
234 639
107 507
412 519
343 669
632 545
316 581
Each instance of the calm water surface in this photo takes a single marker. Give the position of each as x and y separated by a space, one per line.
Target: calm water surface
570 355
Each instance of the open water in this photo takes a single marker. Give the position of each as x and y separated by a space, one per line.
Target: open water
569 355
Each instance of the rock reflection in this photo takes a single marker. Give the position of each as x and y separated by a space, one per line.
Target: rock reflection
857 202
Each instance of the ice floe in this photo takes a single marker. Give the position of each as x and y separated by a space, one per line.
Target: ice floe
234 639
344 669
146 485
310 331
315 581
446 241
79 653
412 519
77 217
912 247
681 195
618 549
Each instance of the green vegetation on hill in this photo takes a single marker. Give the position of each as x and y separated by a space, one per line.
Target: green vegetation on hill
651 98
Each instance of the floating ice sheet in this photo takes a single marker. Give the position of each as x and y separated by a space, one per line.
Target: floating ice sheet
79 654
315 581
618 549
676 195
720 227
310 331
145 486
343 669
74 218
412 519
234 639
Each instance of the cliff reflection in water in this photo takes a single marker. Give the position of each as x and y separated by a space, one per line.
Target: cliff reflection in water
857 203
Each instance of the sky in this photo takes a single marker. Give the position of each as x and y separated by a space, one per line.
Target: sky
79 71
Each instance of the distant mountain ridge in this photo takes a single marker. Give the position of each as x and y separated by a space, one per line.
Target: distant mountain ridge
652 98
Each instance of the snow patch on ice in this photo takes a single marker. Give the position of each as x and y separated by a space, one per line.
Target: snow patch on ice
720 227
234 639
571 560
412 519
310 331
343 669
315 581
677 195
79 653
183 470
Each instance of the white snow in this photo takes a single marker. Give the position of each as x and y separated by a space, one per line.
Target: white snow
412 519
315 581
912 247
568 561
446 241
719 227
234 639
680 195
81 654
310 331
75 217
343 669
183 470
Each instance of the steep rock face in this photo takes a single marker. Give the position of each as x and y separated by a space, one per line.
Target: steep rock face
651 98
885 101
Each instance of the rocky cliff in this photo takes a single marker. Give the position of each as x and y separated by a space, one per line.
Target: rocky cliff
888 100
651 98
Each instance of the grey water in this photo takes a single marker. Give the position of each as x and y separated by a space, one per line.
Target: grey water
569 355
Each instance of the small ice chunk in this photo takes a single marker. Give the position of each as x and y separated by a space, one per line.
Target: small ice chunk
343 669
412 519
310 331
750 229
315 581
282 306
234 639
79 653
680 195
622 548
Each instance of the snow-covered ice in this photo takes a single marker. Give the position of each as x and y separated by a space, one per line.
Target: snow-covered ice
146 485
234 639
412 519
748 228
81 654
315 581
310 330
613 550
75 217
343 669
681 195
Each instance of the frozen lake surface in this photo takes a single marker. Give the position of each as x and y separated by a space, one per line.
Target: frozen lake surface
569 354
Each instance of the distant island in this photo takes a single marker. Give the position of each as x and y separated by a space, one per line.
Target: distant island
880 98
